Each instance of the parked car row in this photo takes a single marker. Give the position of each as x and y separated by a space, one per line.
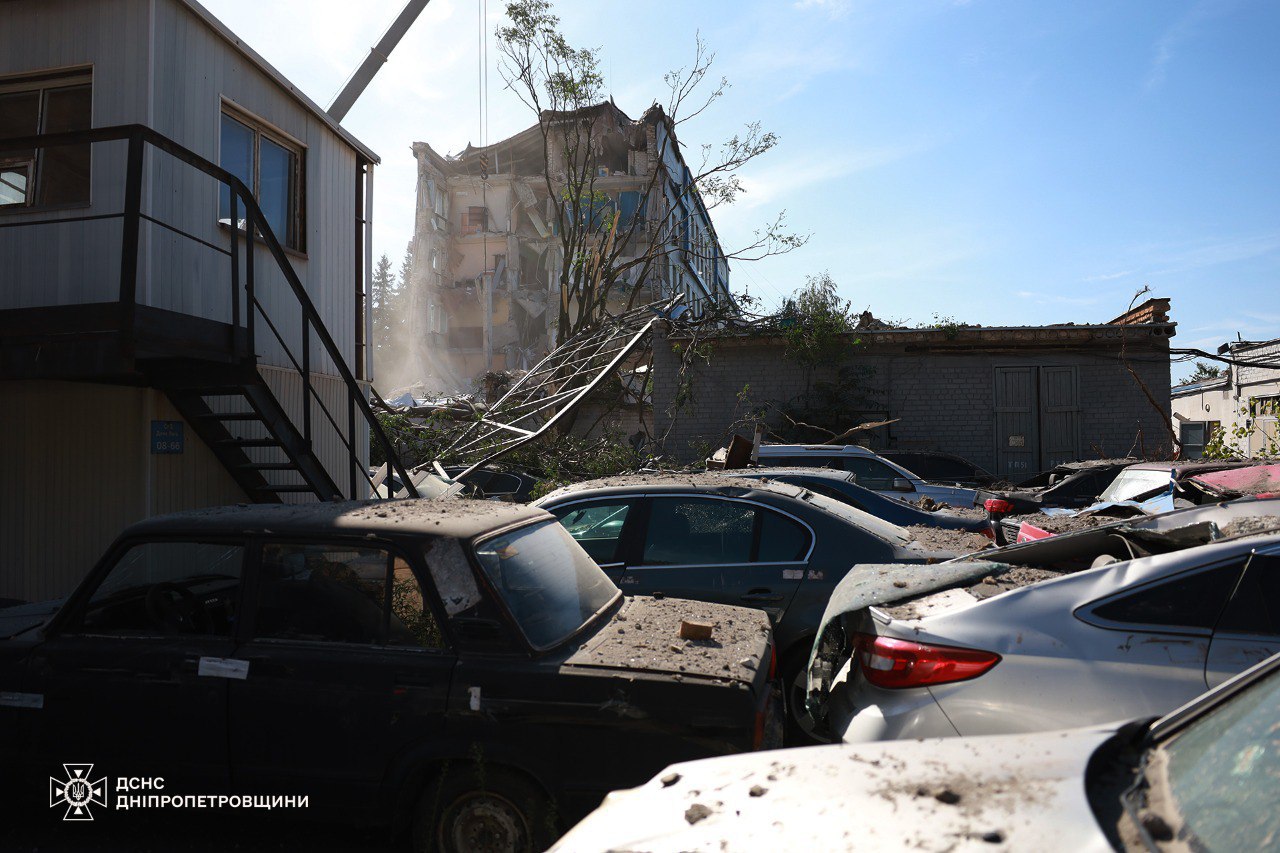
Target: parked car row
479 675
1123 621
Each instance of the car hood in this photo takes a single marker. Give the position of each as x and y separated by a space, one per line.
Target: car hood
1018 792
644 636
24 617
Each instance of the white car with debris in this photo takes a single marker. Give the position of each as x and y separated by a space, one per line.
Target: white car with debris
1201 778
1117 621
870 471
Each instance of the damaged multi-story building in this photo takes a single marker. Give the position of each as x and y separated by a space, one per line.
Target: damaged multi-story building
485 290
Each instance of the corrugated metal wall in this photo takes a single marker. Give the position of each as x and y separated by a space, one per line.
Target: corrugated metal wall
199 71
172 73
64 266
77 468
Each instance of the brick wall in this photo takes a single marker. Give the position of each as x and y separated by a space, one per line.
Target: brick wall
1269 353
943 395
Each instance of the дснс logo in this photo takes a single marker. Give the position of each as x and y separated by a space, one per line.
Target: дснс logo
78 791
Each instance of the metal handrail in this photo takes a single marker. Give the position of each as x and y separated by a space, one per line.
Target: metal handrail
137 135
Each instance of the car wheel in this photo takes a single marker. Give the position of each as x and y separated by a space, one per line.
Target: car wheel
799 729
468 807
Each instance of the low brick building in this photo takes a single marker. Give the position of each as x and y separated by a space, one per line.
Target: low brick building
1013 400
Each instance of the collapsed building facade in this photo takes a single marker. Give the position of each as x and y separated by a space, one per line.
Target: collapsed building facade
485 289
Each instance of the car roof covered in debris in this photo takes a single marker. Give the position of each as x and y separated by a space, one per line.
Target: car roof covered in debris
791 470
460 518
671 481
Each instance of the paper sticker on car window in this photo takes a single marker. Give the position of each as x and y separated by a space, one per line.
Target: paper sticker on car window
451 572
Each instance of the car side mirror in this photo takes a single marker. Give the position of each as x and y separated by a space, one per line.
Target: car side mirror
902 484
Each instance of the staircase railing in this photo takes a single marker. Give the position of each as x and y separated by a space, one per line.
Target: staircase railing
140 138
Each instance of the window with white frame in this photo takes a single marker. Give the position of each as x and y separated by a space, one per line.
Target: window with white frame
272 167
40 104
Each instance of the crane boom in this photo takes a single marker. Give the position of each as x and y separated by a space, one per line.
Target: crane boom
378 54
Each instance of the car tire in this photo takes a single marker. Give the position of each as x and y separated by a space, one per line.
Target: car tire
467 806
799 726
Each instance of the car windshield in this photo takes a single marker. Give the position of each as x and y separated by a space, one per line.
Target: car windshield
1223 772
547 581
885 530
1132 483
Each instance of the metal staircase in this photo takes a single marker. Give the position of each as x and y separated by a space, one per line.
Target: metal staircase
208 366
233 411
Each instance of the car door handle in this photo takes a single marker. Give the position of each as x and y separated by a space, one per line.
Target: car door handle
762 595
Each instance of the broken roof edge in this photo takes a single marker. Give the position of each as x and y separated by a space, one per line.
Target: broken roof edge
228 35
967 335
1196 387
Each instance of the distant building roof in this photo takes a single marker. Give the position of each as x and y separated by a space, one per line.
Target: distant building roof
1197 387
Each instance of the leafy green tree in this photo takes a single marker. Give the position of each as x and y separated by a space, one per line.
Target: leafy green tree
814 322
1204 372
386 294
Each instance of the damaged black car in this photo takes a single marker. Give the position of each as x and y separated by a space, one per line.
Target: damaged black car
458 671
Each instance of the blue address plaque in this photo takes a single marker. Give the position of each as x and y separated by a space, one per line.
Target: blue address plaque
166 436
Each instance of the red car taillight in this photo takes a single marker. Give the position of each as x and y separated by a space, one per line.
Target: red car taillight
894 664
998 505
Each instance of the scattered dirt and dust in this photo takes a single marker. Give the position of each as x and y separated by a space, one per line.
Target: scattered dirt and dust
1252 525
645 635
942 539
1018 576
973 798
1064 523
460 517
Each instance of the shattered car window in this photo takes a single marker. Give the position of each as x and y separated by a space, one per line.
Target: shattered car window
698 532
1224 771
550 585
1131 483
596 527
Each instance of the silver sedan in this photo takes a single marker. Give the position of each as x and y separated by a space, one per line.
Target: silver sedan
1122 620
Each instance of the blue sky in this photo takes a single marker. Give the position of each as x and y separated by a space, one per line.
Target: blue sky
1000 162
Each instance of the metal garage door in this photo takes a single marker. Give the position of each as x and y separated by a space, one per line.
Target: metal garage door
1037 419
1017 430
1059 416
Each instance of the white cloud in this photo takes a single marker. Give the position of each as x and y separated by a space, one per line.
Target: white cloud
1108 276
1176 35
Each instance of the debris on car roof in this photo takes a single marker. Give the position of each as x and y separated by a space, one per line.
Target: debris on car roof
1255 480
649 638
948 539
461 518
